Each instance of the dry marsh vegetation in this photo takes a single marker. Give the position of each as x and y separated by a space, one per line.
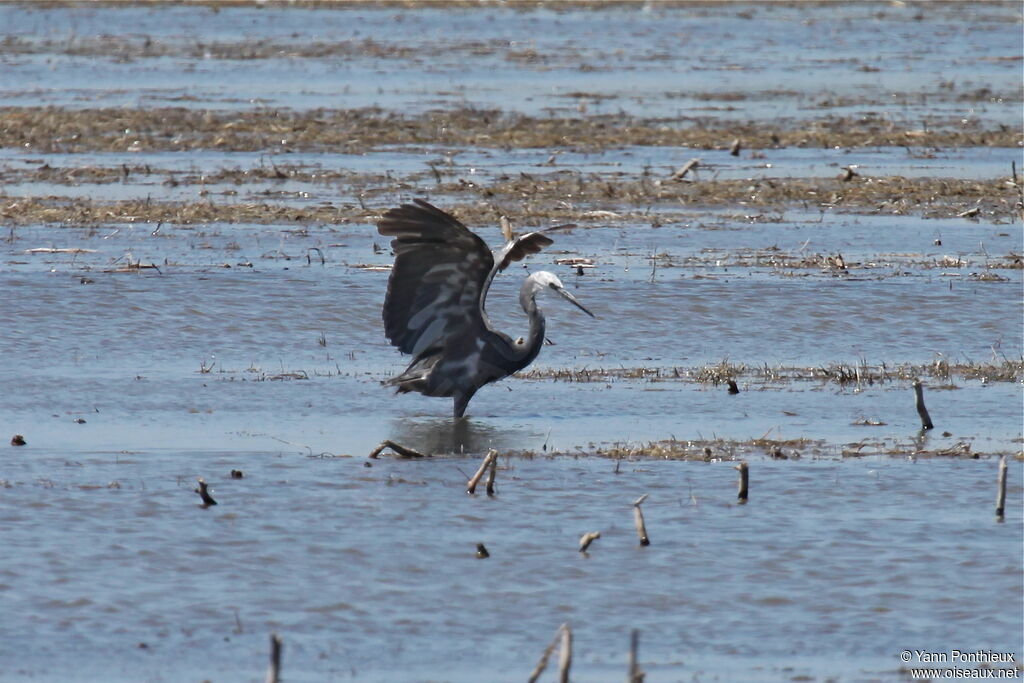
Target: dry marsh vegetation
565 196
719 449
54 129
1004 370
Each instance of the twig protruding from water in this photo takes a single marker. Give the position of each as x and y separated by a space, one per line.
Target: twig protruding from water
684 169
204 493
542 663
309 261
274 670
926 420
475 479
492 472
587 539
636 675
1001 491
565 654
743 482
403 451
638 520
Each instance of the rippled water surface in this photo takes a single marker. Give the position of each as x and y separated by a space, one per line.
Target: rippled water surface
371 573
259 347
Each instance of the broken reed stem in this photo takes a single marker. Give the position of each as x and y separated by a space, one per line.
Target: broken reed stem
635 674
744 481
274 670
1001 491
492 472
638 519
471 484
402 451
565 654
204 493
926 420
542 663
587 539
684 169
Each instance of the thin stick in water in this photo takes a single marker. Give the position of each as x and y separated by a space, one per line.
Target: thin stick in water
635 674
926 420
744 481
1001 491
684 169
565 654
471 484
274 670
638 520
492 472
542 663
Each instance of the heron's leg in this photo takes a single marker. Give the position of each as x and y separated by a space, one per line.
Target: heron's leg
461 401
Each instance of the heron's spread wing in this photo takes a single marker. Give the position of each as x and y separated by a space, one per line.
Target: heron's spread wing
438 280
521 247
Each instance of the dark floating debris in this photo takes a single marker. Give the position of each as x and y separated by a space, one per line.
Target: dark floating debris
18 440
79 420
733 389
399 449
237 474
204 493
481 551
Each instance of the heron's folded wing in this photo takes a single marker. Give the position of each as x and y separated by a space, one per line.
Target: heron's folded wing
435 287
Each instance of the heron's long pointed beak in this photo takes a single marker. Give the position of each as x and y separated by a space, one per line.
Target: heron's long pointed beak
564 292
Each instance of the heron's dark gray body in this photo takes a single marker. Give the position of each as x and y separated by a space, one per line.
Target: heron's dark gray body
434 308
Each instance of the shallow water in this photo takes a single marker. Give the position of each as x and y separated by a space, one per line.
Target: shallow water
784 61
370 573
241 350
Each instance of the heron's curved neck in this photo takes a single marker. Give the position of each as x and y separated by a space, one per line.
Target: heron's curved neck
535 337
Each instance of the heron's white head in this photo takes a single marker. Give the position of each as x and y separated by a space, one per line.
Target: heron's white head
542 279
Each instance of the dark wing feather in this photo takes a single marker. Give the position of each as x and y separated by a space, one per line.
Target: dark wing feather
438 281
521 247
518 248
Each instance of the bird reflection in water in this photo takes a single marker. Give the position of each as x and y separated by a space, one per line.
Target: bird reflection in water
444 436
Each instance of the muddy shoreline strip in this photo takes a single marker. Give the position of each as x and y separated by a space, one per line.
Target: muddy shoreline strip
544 198
837 373
54 129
